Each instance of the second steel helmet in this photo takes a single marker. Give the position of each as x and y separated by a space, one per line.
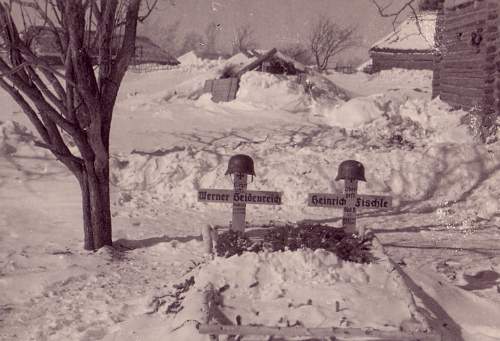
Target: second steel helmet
240 163
351 170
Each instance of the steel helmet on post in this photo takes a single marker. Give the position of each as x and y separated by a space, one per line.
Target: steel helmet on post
240 163
351 170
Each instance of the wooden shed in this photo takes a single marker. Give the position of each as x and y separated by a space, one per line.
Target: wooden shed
276 62
272 61
410 46
467 65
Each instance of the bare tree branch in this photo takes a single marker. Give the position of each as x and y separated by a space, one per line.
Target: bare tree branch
34 94
57 153
26 107
244 39
150 6
398 13
384 10
45 90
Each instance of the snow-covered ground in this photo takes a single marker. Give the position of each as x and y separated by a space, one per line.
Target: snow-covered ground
443 233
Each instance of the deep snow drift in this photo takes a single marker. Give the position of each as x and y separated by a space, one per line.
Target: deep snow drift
443 232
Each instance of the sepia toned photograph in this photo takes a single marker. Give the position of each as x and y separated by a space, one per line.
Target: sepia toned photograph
245 170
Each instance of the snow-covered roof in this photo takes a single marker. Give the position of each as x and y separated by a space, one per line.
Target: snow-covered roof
364 65
296 64
250 56
239 58
190 58
412 35
284 57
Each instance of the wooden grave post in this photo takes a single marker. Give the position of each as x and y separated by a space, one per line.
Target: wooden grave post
239 208
240 166
351 172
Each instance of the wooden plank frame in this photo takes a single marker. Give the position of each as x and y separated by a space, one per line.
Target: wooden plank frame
214 325
321 333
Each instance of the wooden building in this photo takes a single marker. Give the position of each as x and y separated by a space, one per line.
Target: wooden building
276 63
467 65
44 44
410 46
147 52
272 61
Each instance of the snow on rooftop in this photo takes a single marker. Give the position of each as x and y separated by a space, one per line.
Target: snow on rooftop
239 59
190 58
299 66
364 65
412 34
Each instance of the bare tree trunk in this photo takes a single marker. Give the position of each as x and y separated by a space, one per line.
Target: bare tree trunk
96 207
82 106
88 236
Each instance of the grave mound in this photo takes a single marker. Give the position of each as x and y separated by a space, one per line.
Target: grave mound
308 291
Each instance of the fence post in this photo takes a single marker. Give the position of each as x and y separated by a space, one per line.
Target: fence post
206 235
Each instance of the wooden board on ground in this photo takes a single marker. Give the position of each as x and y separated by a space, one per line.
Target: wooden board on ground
209 85
223 90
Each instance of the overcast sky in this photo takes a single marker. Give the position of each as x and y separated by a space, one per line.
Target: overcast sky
275 22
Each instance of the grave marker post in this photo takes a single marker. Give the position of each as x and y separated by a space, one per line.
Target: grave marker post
351 172
349 217
239 209
240 166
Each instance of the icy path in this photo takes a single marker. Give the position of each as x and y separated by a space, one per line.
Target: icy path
454 276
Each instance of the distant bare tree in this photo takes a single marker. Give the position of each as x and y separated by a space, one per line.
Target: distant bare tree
168 39
244 39
328 39
298 52
93 41
211 33
193 41
351 61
